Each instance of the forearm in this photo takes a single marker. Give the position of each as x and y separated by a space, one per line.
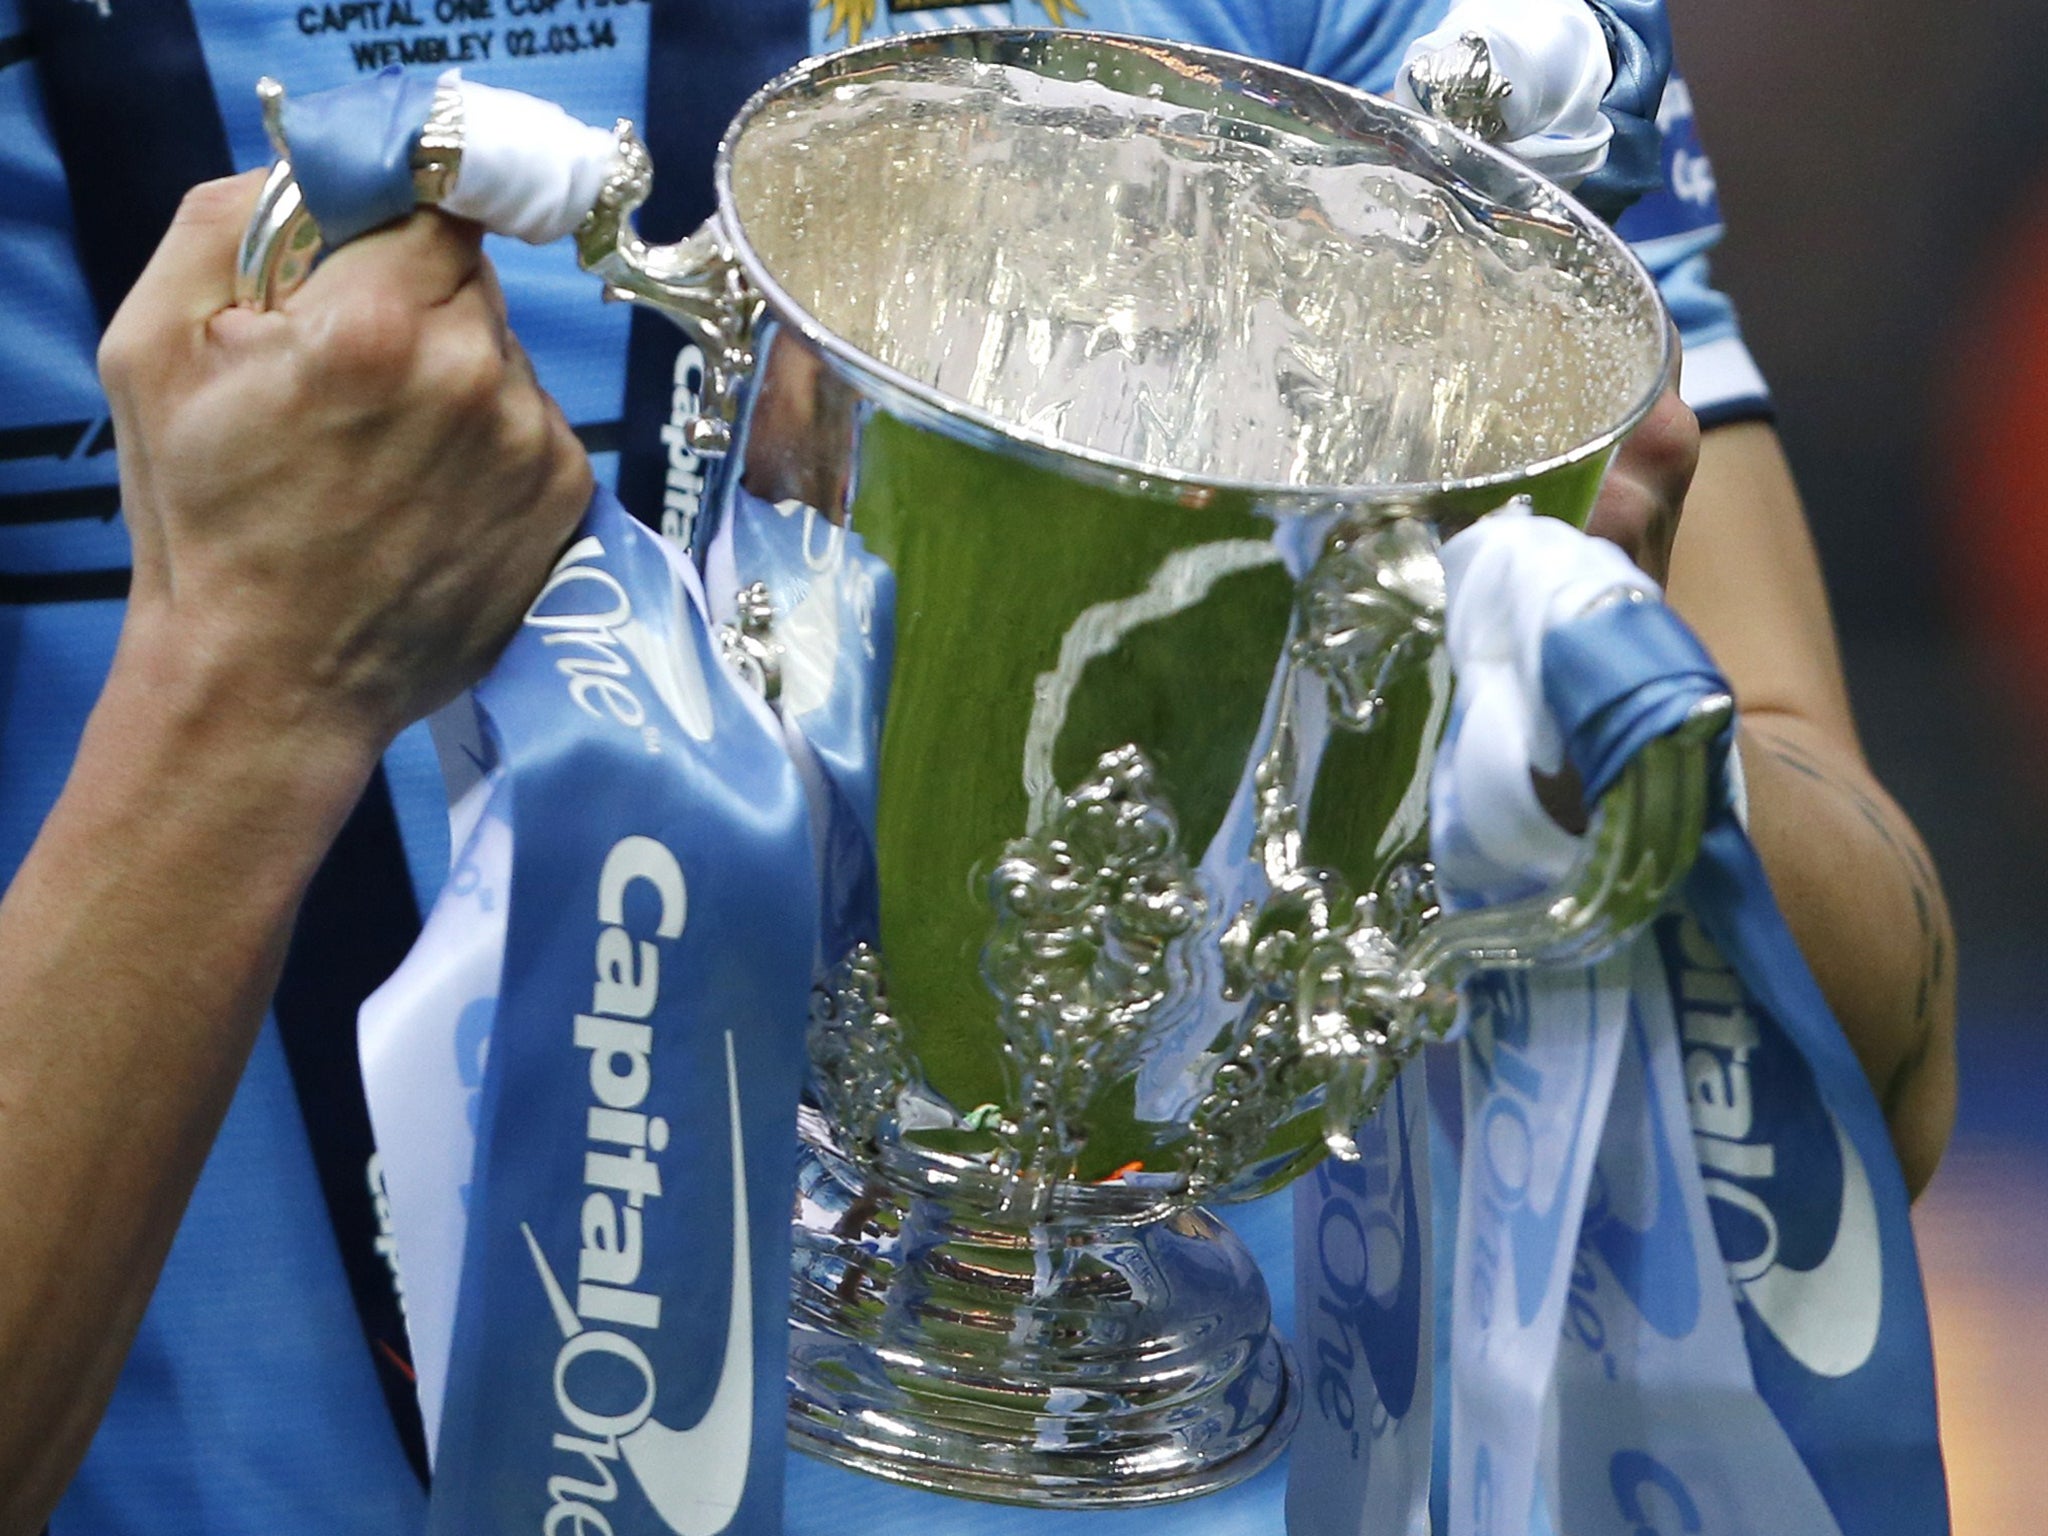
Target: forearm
138 947
1861 896
1851 875
351 555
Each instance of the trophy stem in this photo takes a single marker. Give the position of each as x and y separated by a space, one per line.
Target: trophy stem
1116 1354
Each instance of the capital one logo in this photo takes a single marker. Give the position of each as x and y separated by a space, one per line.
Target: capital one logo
1804 1250
1368 1277
1529 1120
1652 1496
1692 178
692 1478
682 487
586 620
1635 1216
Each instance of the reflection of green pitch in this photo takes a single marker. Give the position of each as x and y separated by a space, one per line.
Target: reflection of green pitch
995 561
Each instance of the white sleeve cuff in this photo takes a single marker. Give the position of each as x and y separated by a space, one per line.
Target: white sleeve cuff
1720 373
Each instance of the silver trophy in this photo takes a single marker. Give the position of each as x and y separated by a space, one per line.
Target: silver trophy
1153 376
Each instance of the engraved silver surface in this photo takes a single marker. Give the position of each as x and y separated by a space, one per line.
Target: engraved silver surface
1328 1007
280 245
1115 1350
1371 614
1089 911
697 283
437 155
1461 83
749 642
860 1065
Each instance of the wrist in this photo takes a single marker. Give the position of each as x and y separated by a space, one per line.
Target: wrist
208 735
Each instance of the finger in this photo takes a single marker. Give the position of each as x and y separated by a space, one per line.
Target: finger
491 292
424 259
471 323
523 387
1638 522
1665 448
537 428
191 276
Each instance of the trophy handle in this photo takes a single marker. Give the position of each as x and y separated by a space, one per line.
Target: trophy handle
283 239
698 283
280 244
529 159
1343 989
1461 84
1644 836
1359 1001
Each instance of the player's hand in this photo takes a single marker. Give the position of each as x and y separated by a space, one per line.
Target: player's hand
342 507
1645 490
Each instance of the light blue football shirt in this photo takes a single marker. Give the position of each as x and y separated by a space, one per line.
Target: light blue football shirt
249 1405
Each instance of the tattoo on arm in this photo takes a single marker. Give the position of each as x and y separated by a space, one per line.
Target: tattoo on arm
1934 946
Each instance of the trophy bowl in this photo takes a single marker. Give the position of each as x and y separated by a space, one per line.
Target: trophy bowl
1129 389
1068 425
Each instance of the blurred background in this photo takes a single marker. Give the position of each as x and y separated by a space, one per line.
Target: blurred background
1883 166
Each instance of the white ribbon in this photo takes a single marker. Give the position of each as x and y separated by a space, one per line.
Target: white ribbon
423 1037
1509 579
1554 54
528 169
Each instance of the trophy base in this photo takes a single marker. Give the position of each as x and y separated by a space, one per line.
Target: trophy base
1120 1351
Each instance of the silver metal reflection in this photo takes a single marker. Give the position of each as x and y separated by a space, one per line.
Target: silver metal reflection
1089 910
1371 615
282 241
696 283
1117 1350
1462 84
861 1067
280 245
749 642
1252 305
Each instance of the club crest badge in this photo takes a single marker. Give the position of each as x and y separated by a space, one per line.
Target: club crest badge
848 22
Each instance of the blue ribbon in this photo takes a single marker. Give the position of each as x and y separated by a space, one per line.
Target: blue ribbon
1618 679
352 150
620 1345
1868 1437
620 1341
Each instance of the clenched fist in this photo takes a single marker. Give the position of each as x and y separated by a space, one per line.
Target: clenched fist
341 507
